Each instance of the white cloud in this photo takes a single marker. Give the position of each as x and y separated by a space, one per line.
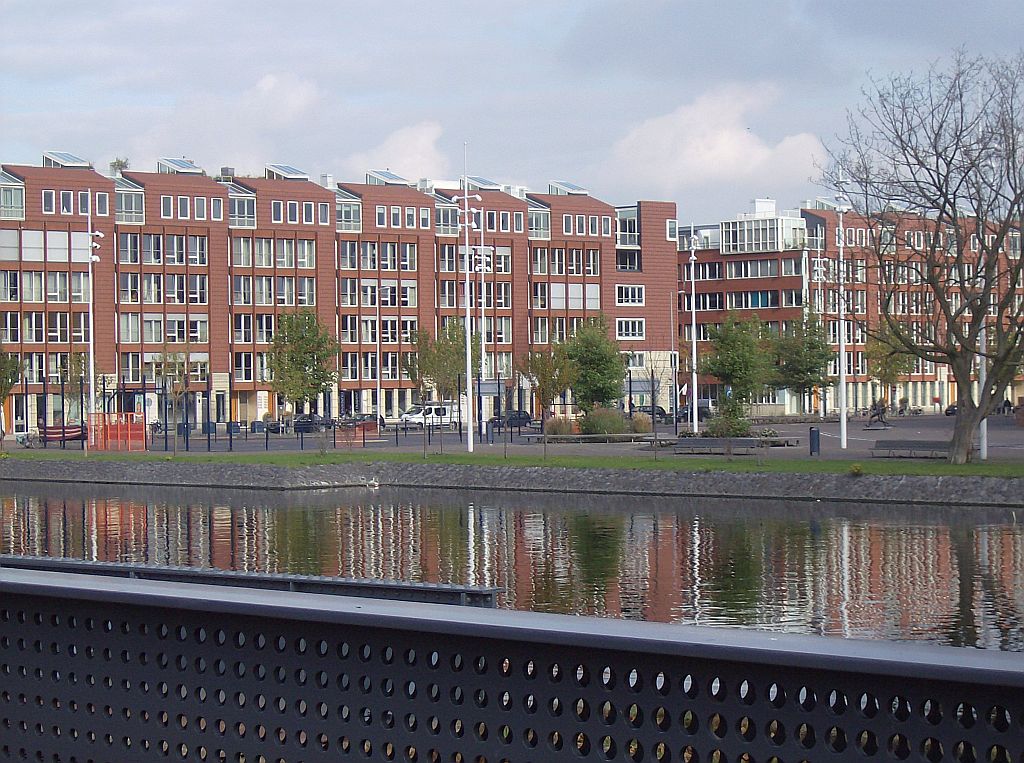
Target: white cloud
410 151
711 141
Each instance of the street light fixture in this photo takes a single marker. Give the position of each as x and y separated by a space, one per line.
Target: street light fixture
480 264
464 198
842 208
93 258
693 329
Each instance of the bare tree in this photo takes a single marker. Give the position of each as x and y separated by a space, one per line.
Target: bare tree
933 164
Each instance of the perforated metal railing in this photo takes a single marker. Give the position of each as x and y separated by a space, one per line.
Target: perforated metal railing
100 669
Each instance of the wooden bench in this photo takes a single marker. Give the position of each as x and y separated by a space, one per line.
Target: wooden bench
722 445
911 448
63 434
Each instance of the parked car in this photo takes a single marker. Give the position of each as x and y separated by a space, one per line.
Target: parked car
657 412
430 414
705 410
367 419
310 422
951 410
511 419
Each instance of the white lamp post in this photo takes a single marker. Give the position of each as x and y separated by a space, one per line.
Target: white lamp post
841 208
464 198
693 329
92 342
480 264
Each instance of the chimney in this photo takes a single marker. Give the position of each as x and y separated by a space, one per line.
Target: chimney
327 181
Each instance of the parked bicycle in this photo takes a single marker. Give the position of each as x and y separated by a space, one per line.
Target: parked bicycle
27 439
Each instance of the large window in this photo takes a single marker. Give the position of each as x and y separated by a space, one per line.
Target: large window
630 329
629 260
628 294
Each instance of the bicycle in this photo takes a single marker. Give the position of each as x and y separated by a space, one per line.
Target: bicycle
27 439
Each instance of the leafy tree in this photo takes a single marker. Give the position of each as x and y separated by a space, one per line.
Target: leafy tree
599 367
939 154
550 374
740 357
10 374
301 357
443 360
887 359
803 354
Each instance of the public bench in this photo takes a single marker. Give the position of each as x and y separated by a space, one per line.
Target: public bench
63 434
723 445
911 448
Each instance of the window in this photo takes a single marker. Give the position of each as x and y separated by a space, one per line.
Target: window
606 226
56 286
9 286
539 259
243 366
349 329
241 212
502 259
128 288
751 269
368 255
389 294
396 217
308 211
293 212
128 249
264 329
630 329
305 256
130 207
306 291
792 298
504 222
672 230
349 292
540 330
263 255
575 262
447 221
517 222
67 199
368 330
409 327
382 217
183 205
175 289
629 260
199 207
152 288
153 328
216 208
102 205
79 288
492 220
131 366
425 218
241 252
349 216
285 253
49 202
792 266
408 294
174 249
198 329
241 291
751 300
370 366
324 213
408 262
448 294
33 328
197 251
32 286
83 202
707 301
389 255
410 217
197 289
539 224
558 261
566 225
593 267
128 328
627 294
152 249
277 211
540 296
57 328
350 366
285 286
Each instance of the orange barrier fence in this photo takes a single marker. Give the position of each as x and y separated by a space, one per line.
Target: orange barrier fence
117 431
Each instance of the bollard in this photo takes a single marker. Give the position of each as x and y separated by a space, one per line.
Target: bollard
814 439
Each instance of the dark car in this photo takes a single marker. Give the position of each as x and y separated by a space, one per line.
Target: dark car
659 412
511 419
310 422
367 420
704 412
951 410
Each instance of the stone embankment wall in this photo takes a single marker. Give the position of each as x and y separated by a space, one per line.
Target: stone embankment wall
936 491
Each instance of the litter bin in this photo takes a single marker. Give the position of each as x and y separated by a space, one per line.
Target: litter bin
257 426
814 438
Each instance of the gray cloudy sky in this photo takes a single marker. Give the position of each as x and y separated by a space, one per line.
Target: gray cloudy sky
709 104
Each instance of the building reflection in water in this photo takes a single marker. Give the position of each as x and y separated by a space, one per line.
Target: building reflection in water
943 581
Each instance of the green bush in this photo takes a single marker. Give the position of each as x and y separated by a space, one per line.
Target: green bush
729 421
641 423
558 425
604 421
856 470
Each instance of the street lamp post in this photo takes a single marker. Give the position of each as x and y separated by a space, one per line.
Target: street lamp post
841 208
92 343
464 198
693 329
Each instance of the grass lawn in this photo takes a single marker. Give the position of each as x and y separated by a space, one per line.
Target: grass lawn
666 462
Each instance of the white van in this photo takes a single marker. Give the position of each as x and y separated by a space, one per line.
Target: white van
431 414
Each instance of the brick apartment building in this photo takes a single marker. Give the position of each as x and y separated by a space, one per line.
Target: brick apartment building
200 268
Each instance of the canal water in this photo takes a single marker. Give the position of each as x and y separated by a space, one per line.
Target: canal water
936 574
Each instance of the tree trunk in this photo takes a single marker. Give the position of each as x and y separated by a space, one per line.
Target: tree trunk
968 416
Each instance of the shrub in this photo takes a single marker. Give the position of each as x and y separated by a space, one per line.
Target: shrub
768 432
604 421
641 423
730 421
558 425
856 470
